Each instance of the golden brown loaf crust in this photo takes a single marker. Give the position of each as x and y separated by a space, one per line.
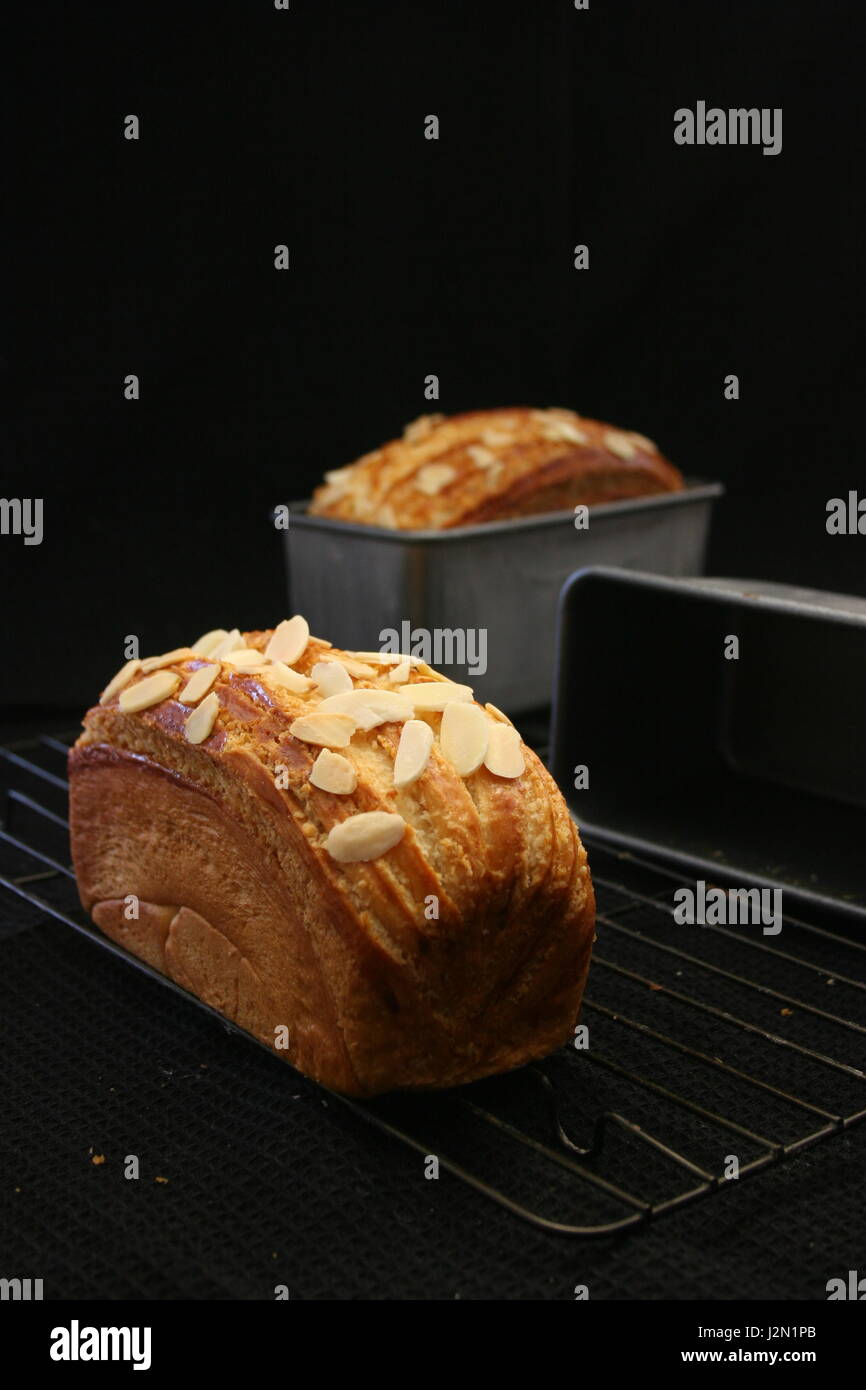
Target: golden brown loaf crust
224 849
490 465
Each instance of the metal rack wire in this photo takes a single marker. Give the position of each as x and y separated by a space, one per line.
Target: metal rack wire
713 1052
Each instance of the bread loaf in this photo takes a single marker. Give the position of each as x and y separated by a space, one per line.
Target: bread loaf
491 465
347 857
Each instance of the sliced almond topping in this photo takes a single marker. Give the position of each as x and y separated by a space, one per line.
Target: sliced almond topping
244 657
156 663
339 476
619 444
504 755
331 772
332 730
433 477
497 714
364 717
289 640
480 456
557 424
206 645
567 432
464 736
420 428
387 658
123 677
331 677
199 724
413 751
148 692
355 668
322 641
496 437
281 675
435 694
229 643
198 684
386 706
642 442
400 674
366 836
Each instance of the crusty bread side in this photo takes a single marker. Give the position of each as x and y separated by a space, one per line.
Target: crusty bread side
492 465
221 849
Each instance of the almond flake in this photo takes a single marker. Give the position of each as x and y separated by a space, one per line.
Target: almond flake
123 677
557 424
199 724
148 692
289 640
331 677
364 717
497 714
420 428
332 730
567 432
399 674
281 675
229 643
386 706
244 657
365 836
337 477
642 442
504 755
355 668
413 751
198 684
619 444
464 736
433 477
387 658
156 663
206 645
496 437
331 772
435 695
480 456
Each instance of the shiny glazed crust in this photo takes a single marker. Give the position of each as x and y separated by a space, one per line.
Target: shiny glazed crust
492 465
221 849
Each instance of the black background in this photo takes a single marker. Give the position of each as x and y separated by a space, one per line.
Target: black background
408 257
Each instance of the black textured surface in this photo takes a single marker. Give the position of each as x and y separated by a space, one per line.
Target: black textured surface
269 1181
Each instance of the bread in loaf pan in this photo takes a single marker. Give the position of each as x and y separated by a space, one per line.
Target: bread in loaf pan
493 465
398 913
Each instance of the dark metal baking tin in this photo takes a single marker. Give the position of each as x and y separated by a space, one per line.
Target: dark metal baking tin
352 581
753 769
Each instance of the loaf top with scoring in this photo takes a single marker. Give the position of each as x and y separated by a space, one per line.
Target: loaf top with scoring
344 841
493 465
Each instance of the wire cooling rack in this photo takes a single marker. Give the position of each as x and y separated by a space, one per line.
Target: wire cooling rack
713 1052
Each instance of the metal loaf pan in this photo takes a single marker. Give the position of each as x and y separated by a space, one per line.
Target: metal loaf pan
753 768
351 582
